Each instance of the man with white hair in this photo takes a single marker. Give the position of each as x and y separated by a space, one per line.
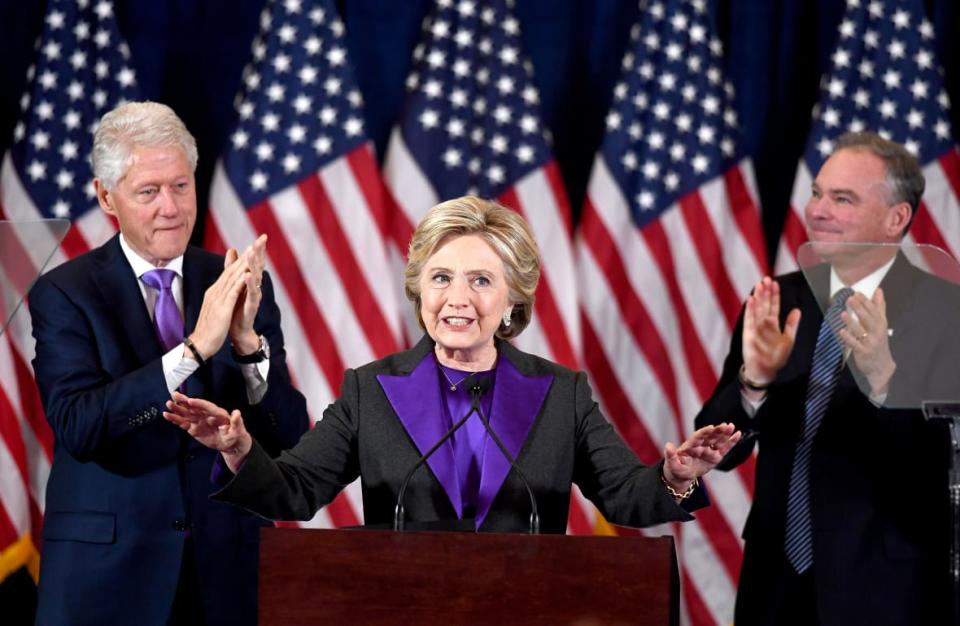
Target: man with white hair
130 536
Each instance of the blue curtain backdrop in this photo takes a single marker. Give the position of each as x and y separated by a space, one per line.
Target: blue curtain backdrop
190 53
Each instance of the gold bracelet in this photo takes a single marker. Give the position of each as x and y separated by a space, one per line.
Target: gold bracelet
676 494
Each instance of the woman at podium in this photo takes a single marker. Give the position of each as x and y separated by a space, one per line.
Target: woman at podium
524 429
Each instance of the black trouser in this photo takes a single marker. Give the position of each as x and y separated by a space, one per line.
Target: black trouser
187 605
799 604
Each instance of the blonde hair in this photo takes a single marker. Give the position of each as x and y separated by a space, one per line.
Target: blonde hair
132 125
503 229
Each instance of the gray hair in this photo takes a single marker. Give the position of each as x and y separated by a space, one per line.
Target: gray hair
133 125
904 176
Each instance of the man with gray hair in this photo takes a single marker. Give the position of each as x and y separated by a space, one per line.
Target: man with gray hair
849 520
130 536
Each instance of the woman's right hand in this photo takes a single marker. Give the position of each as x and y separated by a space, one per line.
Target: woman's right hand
212 426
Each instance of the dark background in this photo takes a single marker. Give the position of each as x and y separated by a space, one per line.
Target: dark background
190 54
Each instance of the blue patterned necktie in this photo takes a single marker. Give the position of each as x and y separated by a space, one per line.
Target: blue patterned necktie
166 316
827 361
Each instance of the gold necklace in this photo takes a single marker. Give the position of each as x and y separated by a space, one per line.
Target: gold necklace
453 385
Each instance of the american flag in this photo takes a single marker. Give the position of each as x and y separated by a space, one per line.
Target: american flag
471 124
670 242
884 77
300 169
81 72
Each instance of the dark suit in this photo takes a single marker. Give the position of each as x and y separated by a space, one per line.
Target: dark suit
126 487
878 476
388 415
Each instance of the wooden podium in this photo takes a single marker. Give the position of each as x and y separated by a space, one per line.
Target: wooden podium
385 577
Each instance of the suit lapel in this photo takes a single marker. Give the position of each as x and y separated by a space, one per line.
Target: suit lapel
517 402
897 286
818 281
118 287
518 398
808 296
415 398
196 278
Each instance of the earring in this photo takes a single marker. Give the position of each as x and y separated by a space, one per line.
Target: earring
506 317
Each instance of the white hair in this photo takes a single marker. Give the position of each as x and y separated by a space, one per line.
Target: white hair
132 125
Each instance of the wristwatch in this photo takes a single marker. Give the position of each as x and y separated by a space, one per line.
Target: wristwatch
262 353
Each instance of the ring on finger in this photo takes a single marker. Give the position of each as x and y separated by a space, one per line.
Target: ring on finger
862 336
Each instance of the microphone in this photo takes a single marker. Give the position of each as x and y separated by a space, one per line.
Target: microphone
477 389
398 511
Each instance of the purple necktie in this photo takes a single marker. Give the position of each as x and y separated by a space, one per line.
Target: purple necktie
166 315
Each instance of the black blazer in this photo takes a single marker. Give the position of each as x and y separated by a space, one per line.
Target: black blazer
562 439
125 485
878 476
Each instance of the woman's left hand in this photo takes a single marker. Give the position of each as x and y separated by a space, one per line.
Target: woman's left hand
699 454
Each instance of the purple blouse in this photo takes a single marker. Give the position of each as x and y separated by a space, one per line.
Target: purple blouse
427 408
468 442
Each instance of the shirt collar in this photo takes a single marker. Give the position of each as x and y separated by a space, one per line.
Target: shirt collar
866 285
141 266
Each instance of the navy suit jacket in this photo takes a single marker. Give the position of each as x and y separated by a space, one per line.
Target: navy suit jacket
126 487
388 414
878 486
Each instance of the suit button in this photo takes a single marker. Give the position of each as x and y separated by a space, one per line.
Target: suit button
179 524
188 457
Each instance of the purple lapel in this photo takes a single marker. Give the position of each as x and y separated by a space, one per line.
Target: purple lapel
415 399
517 400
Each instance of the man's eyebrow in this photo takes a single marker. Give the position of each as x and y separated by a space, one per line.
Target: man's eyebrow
843 191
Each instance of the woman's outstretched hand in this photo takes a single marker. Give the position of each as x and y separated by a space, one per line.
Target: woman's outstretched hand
699 454
212 426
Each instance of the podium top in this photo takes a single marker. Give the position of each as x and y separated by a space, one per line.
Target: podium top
374 577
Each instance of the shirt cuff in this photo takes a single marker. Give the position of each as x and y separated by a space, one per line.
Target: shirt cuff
176 368
878 399
750 407
255 377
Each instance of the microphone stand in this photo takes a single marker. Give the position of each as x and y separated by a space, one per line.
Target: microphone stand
399 511
950 412
476 391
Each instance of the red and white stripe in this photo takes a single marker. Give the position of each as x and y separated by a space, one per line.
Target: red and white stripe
326 253
657 319
26 441
937 222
